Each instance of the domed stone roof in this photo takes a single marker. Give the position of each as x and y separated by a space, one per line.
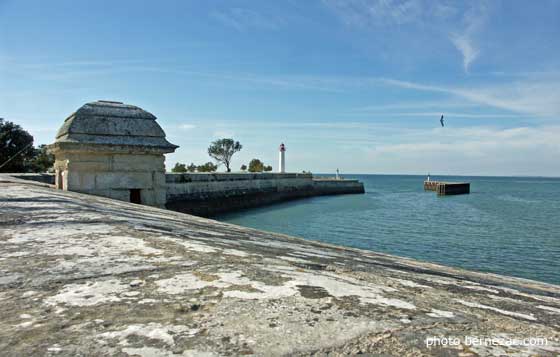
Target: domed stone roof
113 123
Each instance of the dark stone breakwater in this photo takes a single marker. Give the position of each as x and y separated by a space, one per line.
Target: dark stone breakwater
210 194
447 188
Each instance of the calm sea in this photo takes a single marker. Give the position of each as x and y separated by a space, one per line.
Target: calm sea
507 225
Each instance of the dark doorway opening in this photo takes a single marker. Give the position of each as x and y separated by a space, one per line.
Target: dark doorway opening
135 195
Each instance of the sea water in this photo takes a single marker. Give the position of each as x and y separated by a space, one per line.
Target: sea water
506 225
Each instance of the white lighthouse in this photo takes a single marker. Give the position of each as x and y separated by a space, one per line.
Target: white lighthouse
282 159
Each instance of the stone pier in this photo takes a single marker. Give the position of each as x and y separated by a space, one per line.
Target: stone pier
213 193
443 188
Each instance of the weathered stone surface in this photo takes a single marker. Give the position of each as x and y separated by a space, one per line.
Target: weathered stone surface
85 275
112 123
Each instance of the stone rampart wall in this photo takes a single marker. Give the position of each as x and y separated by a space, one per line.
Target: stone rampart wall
210 194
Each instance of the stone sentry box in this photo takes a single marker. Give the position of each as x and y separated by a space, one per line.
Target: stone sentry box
114 150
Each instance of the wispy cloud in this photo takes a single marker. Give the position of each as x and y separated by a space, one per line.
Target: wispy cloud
290 82
437 114
535 97
291 125
415 105
364 13
464 40
535 94
245 19
68 71
451 19
542 75
467 48
82 63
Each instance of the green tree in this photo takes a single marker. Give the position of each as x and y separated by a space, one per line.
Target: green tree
256 165
42 160
268 168
179 168
191 167
222 151
243 167
16 148
207 167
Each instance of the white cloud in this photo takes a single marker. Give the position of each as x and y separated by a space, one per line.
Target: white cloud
474 20
187 126
370 147
483 150
467 48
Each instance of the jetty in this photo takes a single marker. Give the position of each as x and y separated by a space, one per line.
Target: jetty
94 276
208 194
444 188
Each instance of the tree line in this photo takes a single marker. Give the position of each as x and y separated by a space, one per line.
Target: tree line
256 165
207 167
222 151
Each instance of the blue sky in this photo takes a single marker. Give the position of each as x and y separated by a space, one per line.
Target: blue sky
353 84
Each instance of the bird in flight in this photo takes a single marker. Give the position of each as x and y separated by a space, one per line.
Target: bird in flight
441 120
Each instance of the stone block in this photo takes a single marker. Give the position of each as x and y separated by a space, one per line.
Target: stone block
89 166
124 180
148 197
137 163
160 198
86 180
121 195
71 181
159 179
